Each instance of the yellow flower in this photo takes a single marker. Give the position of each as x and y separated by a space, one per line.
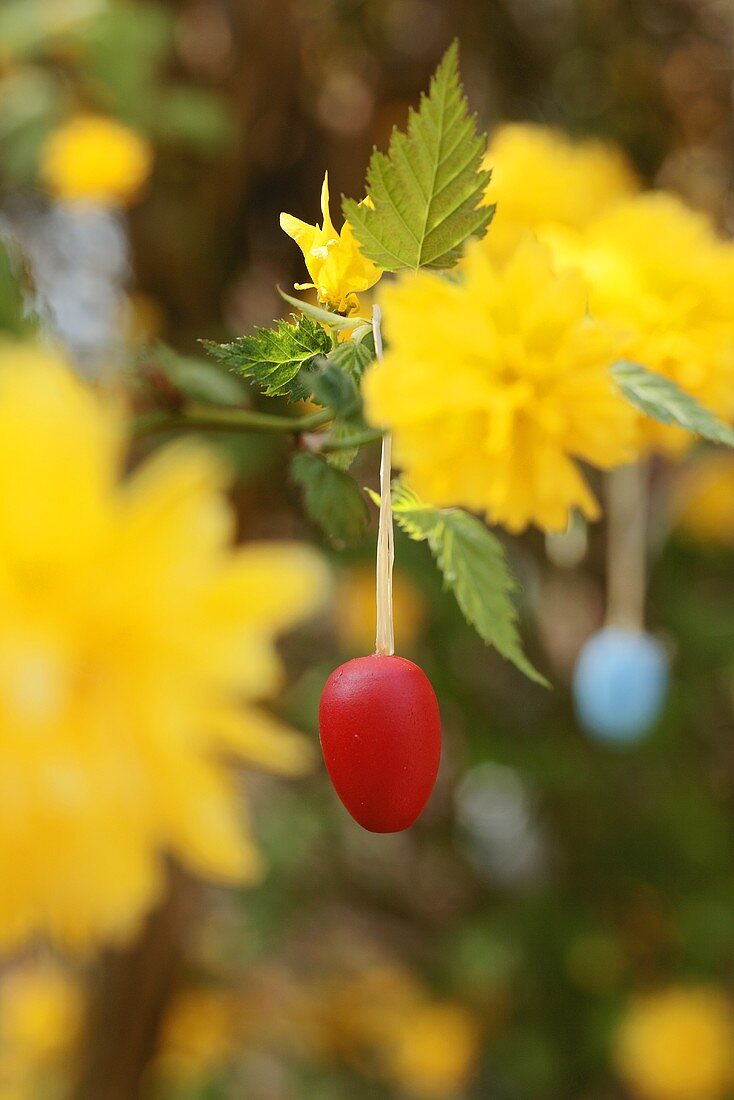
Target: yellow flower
495 383
334 260
658 273
200 1033
704 500
434 1050
96 159
540 177
134 642
383 1019
41 1009
677 1045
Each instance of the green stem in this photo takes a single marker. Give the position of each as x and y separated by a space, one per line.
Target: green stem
358 440
207 418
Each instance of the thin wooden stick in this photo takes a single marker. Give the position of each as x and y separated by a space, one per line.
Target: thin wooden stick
627 516
385 642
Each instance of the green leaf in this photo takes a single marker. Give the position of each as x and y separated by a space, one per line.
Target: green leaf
428 191
30 27
335 385
342 431
663 400
354 356
325 316
197 379
331 499
193 116
15 293
334 389
124 51
274 358
473 565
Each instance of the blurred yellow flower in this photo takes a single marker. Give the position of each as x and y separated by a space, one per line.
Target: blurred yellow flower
494 384
704 500
334 260
365 1009
540 176
40 1022
200 1033
677 1045
133 644
383 1018
659 274
96 159
355 609
434 1051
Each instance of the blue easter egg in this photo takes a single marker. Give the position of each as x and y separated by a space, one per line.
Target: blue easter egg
619 684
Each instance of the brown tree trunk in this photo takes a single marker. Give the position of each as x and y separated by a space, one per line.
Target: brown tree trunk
129 995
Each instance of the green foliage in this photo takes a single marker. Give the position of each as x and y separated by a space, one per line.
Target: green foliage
354 356
28 27
195 379
663 400
275 358
15 319
33 102
341 433
429 188
325 316
473 565
334 389
125 48
336 386
194 116
331 499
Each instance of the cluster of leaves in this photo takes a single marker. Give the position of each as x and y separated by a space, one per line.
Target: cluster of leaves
428 200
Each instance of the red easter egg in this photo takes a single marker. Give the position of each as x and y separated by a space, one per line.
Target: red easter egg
380 734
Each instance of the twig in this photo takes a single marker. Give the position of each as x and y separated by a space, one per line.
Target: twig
385 642
207 418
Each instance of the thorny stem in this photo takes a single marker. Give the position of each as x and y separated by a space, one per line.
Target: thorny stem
385 642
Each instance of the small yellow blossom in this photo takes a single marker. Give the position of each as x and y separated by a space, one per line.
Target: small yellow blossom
704 500
434 1050
41 1008
677 1045
134 644
542 177
200 1033
334 260
95 159
494 384
383 1019
658 273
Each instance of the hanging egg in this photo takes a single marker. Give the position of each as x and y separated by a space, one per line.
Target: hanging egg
620 684
380 732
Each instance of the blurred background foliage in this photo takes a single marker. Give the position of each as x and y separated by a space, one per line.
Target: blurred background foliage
559 923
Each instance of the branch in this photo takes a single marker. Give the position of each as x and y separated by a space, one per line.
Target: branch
206 418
